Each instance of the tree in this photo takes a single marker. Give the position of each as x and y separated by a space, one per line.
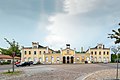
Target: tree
14 47
116 36
113 57
115 50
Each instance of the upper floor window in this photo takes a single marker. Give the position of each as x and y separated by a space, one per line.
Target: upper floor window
44 52
104 53
92 53
25 52
40 52
95 53
29 52
100 53
107 53
34 52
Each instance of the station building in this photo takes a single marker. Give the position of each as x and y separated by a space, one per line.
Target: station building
45 55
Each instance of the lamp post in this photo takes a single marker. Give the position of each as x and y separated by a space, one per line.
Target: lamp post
117 62
13 55
117 66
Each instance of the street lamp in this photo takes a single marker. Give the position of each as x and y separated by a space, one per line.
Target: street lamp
13 55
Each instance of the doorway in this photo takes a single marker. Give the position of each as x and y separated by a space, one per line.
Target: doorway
67 59
64 59
72 59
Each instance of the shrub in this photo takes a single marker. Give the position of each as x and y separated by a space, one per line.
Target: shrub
4 63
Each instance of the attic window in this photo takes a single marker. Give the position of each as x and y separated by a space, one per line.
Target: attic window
34 46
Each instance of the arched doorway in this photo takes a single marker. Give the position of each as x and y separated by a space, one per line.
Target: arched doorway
67 59
72 59
64 59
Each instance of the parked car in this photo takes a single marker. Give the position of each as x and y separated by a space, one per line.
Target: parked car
17 63
23 64
31 62
105 62
36 63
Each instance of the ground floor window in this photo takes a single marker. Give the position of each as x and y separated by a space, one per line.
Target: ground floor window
78 59
40 59
29 59
35 59
58 59
46 59
25 59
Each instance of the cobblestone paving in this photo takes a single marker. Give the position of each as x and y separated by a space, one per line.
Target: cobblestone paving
56 72
108 74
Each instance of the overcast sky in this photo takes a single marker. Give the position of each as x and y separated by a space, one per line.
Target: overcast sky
53 23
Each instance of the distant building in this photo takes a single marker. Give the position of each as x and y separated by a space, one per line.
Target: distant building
100 54
45 55
7 58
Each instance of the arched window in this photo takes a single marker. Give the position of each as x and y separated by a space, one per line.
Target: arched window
40 59
78 59
46 59
35 59
29 59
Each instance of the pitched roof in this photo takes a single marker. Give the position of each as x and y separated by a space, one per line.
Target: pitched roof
5 56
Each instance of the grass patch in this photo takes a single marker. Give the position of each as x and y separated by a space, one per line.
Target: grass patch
12 73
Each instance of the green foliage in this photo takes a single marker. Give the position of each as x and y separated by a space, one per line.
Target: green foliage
14 47
5 63
115 35
12 73
113 57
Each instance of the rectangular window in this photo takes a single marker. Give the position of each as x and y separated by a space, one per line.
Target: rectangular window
29 52
34 52
107 53
95 53
25 52
40 52
99 53
104 52
92 53
44 52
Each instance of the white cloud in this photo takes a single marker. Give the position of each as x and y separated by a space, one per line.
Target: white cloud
84 24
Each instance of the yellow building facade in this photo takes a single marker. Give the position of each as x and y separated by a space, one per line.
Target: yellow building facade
45 55
100 54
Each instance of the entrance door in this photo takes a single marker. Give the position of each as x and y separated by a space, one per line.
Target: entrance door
68 59
72 59
64 59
